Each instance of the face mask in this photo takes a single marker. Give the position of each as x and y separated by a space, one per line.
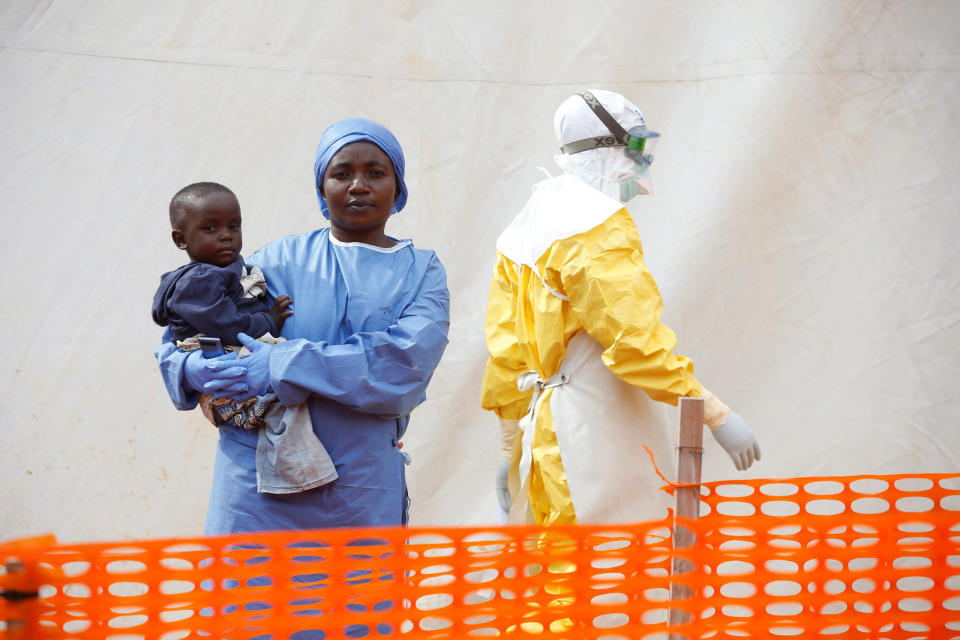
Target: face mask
609 171
640 184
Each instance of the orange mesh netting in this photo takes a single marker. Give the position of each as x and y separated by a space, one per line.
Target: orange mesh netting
833 557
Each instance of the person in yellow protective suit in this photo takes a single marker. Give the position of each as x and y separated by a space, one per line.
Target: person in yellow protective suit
577 350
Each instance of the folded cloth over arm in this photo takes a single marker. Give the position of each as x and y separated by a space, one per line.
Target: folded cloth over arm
290 457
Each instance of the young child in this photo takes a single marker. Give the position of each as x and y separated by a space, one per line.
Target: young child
217 295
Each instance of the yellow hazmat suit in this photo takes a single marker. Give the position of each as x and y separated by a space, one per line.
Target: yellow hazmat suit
577 350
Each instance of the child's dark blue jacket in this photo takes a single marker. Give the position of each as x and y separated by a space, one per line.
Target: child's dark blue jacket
204 298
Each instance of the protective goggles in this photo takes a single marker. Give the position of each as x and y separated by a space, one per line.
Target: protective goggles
640 142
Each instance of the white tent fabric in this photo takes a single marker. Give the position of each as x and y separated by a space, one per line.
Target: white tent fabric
804 232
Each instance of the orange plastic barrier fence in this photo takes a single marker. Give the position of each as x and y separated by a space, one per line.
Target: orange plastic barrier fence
832 557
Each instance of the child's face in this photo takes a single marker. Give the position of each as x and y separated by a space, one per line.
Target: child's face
210 230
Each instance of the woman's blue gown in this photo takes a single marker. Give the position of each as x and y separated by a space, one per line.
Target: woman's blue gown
368 329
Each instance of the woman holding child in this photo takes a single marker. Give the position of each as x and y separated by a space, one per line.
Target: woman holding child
369 325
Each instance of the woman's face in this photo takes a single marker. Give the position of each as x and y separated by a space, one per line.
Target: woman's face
360 187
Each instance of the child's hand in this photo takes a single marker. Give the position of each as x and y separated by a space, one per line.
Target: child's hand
279 310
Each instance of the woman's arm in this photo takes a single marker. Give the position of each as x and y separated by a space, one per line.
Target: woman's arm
381 372
618 303
170 359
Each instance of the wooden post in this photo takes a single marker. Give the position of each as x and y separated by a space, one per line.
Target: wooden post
688 500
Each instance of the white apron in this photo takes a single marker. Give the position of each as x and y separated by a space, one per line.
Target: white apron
601 423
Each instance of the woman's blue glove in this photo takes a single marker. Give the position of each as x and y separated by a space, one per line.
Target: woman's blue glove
220 376
257 366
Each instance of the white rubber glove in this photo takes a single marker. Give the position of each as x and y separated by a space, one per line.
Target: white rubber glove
502 486
737 439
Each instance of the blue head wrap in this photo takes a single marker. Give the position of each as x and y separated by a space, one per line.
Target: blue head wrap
340 134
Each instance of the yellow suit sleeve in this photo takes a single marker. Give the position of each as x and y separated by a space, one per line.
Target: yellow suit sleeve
617 302
507 358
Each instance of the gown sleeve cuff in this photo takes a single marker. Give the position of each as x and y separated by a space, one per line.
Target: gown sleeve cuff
714 411
282 354
171 360
509 429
